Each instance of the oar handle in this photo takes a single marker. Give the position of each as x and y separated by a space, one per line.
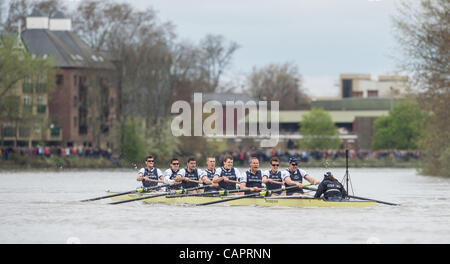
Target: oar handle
238 182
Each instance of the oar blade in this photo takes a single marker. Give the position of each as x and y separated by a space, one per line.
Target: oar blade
108 196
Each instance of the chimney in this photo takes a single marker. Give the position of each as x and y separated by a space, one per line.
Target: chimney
36 20
59 22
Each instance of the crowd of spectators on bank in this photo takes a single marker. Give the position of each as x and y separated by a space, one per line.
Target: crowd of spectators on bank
240 157
51 151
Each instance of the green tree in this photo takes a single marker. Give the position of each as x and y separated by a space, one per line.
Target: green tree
318 131
401 129
422 29
161 142
19 66
132 145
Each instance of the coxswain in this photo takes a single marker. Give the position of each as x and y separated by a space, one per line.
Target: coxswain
273 178
150 176
210 172
295 177
227 177
171 174
191 175
252 179
331 189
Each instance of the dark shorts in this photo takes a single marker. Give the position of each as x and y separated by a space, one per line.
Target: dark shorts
210 189
291 192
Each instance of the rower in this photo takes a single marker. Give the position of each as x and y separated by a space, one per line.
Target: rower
252 179
273 178
227 177
191 175
210 172
150 176
295 176
171 174
331 189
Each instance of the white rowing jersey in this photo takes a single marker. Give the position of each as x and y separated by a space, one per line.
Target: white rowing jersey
200 172
153 174
169 176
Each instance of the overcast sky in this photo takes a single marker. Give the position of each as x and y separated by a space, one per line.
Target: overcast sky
323 37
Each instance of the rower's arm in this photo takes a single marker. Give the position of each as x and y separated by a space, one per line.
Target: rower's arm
206 180
161 176
265 179
217 179
291 182
311 179
140 176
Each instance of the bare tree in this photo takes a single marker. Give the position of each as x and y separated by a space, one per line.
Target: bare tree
216 57
423 31
139 44
278 82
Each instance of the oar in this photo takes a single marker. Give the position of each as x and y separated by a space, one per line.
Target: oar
160 194
372 200
220 192
262 193
145 189
359 198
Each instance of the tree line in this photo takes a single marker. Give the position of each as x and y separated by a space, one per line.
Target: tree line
155 68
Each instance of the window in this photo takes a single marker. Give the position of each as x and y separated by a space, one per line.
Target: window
372 93
27 99
59 79
40 100
75 100
75 121
37 126
347 87
111 102
357 94
74 81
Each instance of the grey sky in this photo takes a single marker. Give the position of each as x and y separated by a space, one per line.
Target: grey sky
323 37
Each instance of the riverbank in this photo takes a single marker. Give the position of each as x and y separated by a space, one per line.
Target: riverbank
18 162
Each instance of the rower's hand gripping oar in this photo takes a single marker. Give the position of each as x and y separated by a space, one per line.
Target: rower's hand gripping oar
139 190
160 194
262 193
359 198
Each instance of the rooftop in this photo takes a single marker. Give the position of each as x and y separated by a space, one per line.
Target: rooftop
66 48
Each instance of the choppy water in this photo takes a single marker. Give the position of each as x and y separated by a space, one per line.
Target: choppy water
43 207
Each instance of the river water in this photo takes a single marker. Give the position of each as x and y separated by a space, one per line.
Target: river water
44 207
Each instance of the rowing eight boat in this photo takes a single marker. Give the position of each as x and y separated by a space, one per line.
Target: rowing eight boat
291 201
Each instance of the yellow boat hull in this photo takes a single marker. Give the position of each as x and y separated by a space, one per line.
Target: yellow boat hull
260 201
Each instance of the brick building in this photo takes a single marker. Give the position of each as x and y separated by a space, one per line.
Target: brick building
85 102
